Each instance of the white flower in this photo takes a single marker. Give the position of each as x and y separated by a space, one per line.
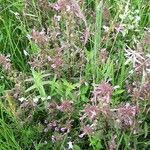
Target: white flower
137 18
2 77
106 28
116 87
25 53
48 97
58 18
35 100
22 99
68 8
70 145
29 36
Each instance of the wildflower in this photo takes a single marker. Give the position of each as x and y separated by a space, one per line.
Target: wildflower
45 142
39 37
22 99
48 97
133 57
46 130
104 108
38 61
59 5
25 104
53 138
137 18
106 28
25 53
135 93
56 129
68 8
66 106
56 62
57 137
112 144
35 100
127 114
128 110
91 111
103 91
70 145
120 27
5 62
145 90
45 121
58 18
67 126
52 124
63 129
87 130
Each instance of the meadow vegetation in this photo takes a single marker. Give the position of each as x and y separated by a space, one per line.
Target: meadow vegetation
74 74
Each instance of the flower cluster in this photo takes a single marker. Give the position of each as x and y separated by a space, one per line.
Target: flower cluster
127 114
139 91
5 62
66 106
100 104
141 62
102 93
39 37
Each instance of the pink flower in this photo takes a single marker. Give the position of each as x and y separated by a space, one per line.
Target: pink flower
66 106
52 124
39 37
103 92
119 27
55 62
91 111
127 114
87 130
128 110
112 143
57 7
145 90
5 62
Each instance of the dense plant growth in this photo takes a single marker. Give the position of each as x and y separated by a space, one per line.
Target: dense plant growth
74 74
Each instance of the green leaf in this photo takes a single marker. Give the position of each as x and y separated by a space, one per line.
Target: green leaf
118 92
76 147
2 88
146 129
30 88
